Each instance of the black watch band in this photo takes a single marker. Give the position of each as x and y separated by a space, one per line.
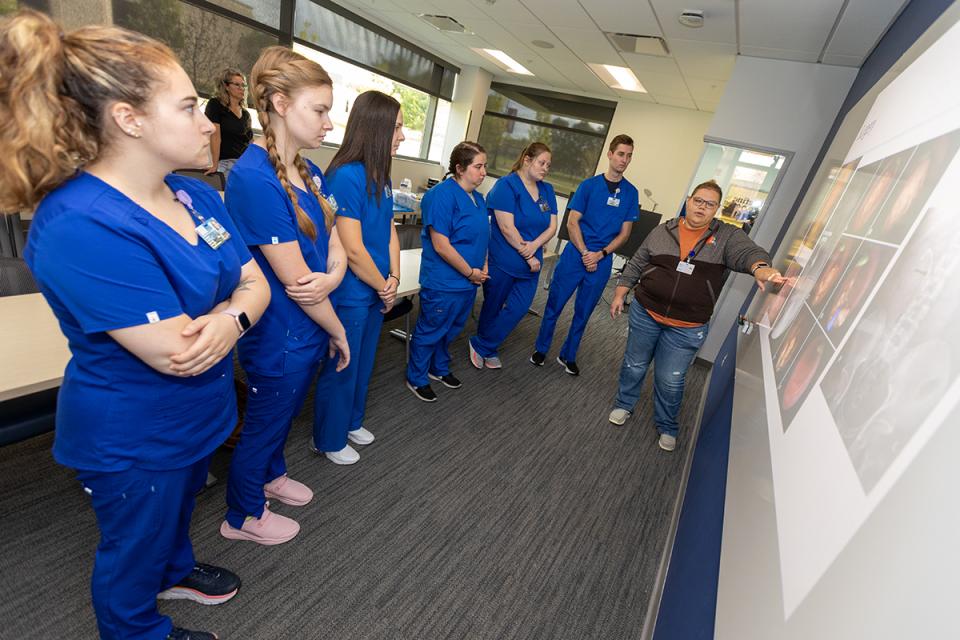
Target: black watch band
604 252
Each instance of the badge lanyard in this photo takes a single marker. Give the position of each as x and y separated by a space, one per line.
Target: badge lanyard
329 198
209 229
614 199
686 265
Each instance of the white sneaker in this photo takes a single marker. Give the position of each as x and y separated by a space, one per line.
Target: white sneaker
619 416
475 358
667 442
492 363
360 436
347 455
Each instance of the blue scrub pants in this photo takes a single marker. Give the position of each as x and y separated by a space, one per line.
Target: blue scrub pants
144 521
673 349
570 275
272 404
443 315
341 398
506 299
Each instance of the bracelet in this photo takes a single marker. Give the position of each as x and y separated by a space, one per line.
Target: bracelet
395 277
472 269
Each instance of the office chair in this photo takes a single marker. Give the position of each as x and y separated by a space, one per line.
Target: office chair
15 278
216 180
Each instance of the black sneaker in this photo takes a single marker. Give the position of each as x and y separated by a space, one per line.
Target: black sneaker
450 381
206 584
538 358
570 367
186 634
425 393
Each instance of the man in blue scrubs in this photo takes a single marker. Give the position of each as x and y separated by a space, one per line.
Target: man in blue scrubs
602 213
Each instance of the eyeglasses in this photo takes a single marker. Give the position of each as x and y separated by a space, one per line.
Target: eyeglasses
242 85
700 202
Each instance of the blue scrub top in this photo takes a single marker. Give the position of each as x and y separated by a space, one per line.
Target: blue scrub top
104 263
348 184
531 219
450 211
285 339
603 212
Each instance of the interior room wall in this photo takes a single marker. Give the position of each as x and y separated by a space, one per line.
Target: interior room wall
780 105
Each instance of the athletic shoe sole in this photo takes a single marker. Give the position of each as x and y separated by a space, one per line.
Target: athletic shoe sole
619 423
564 365
475 358
492 365
535 363
182 593
444 382
413 389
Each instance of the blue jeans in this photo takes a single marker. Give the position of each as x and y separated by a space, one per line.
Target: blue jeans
673 348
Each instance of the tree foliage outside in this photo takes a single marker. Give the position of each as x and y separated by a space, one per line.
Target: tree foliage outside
414 105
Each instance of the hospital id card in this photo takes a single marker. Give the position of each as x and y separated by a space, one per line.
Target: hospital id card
685 267
213 233
613 202
544 207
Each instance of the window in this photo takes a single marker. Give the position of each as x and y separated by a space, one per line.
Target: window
574 128
349 81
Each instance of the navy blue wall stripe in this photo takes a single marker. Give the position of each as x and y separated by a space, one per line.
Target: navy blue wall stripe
688 604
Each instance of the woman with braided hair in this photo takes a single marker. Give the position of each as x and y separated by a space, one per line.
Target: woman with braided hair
284 211
359 177
150 283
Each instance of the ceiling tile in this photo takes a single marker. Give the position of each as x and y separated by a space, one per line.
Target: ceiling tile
780 54
635 96
719 20
613 15
843 61
507 12
702 89
861 26
707 105
558 13
462 9
675 101
787 24
590 45
664 84
704 59
656 64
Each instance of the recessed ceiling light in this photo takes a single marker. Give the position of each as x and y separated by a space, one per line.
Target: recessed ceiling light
504 61
543 44
618 77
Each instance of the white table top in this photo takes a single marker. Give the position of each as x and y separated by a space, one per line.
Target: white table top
33 351
409 272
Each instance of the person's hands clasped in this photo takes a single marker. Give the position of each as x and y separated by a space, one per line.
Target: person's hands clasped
527 250
590 259
389 293
339 344
765 275
312 288
212 169
478 276
216 334
534 264
616 307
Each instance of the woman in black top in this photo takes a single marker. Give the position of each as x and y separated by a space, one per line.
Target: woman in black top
232 121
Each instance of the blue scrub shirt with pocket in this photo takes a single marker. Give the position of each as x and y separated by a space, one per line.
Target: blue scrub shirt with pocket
531 218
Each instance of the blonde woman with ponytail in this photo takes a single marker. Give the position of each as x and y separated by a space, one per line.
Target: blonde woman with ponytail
151 285
285 213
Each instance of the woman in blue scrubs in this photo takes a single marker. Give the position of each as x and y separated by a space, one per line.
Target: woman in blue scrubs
280 203
602 213
456 231
359 178
152 286
525 218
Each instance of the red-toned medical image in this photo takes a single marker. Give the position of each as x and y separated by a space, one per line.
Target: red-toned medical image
886 173
772 301
834 269
835 190
786 348
914 187
858 281
804 371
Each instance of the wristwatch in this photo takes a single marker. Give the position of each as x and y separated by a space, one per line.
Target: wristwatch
604 252
757 267
243 322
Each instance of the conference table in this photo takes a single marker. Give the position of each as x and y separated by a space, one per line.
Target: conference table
34 353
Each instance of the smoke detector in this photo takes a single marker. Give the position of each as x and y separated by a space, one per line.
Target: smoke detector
692 18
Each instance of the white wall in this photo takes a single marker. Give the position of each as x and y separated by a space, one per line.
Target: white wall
782 105
668 142
418 171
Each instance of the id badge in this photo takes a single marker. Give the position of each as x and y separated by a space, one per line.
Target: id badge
387 191
613 202
544 207
213 233
685 267
333 203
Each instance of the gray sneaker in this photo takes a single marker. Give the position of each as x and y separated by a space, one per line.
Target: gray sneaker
619 416
667 442
492 363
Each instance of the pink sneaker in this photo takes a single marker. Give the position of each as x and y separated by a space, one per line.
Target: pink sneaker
288 491
269 528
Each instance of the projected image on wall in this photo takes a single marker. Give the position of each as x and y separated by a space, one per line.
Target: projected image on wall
885 174
903 354
851 291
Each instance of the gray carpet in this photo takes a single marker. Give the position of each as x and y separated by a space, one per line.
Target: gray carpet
511 508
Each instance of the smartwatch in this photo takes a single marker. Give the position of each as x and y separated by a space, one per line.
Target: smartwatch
759 265
604 252
243 322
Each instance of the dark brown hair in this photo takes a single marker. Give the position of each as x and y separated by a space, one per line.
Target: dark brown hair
368 139
531 151
712 186
619 139
462 155
280 70
54 90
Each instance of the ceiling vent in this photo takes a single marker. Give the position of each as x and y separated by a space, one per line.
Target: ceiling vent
444 23
631 43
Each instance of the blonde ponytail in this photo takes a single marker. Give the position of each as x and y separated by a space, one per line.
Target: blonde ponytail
53 94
